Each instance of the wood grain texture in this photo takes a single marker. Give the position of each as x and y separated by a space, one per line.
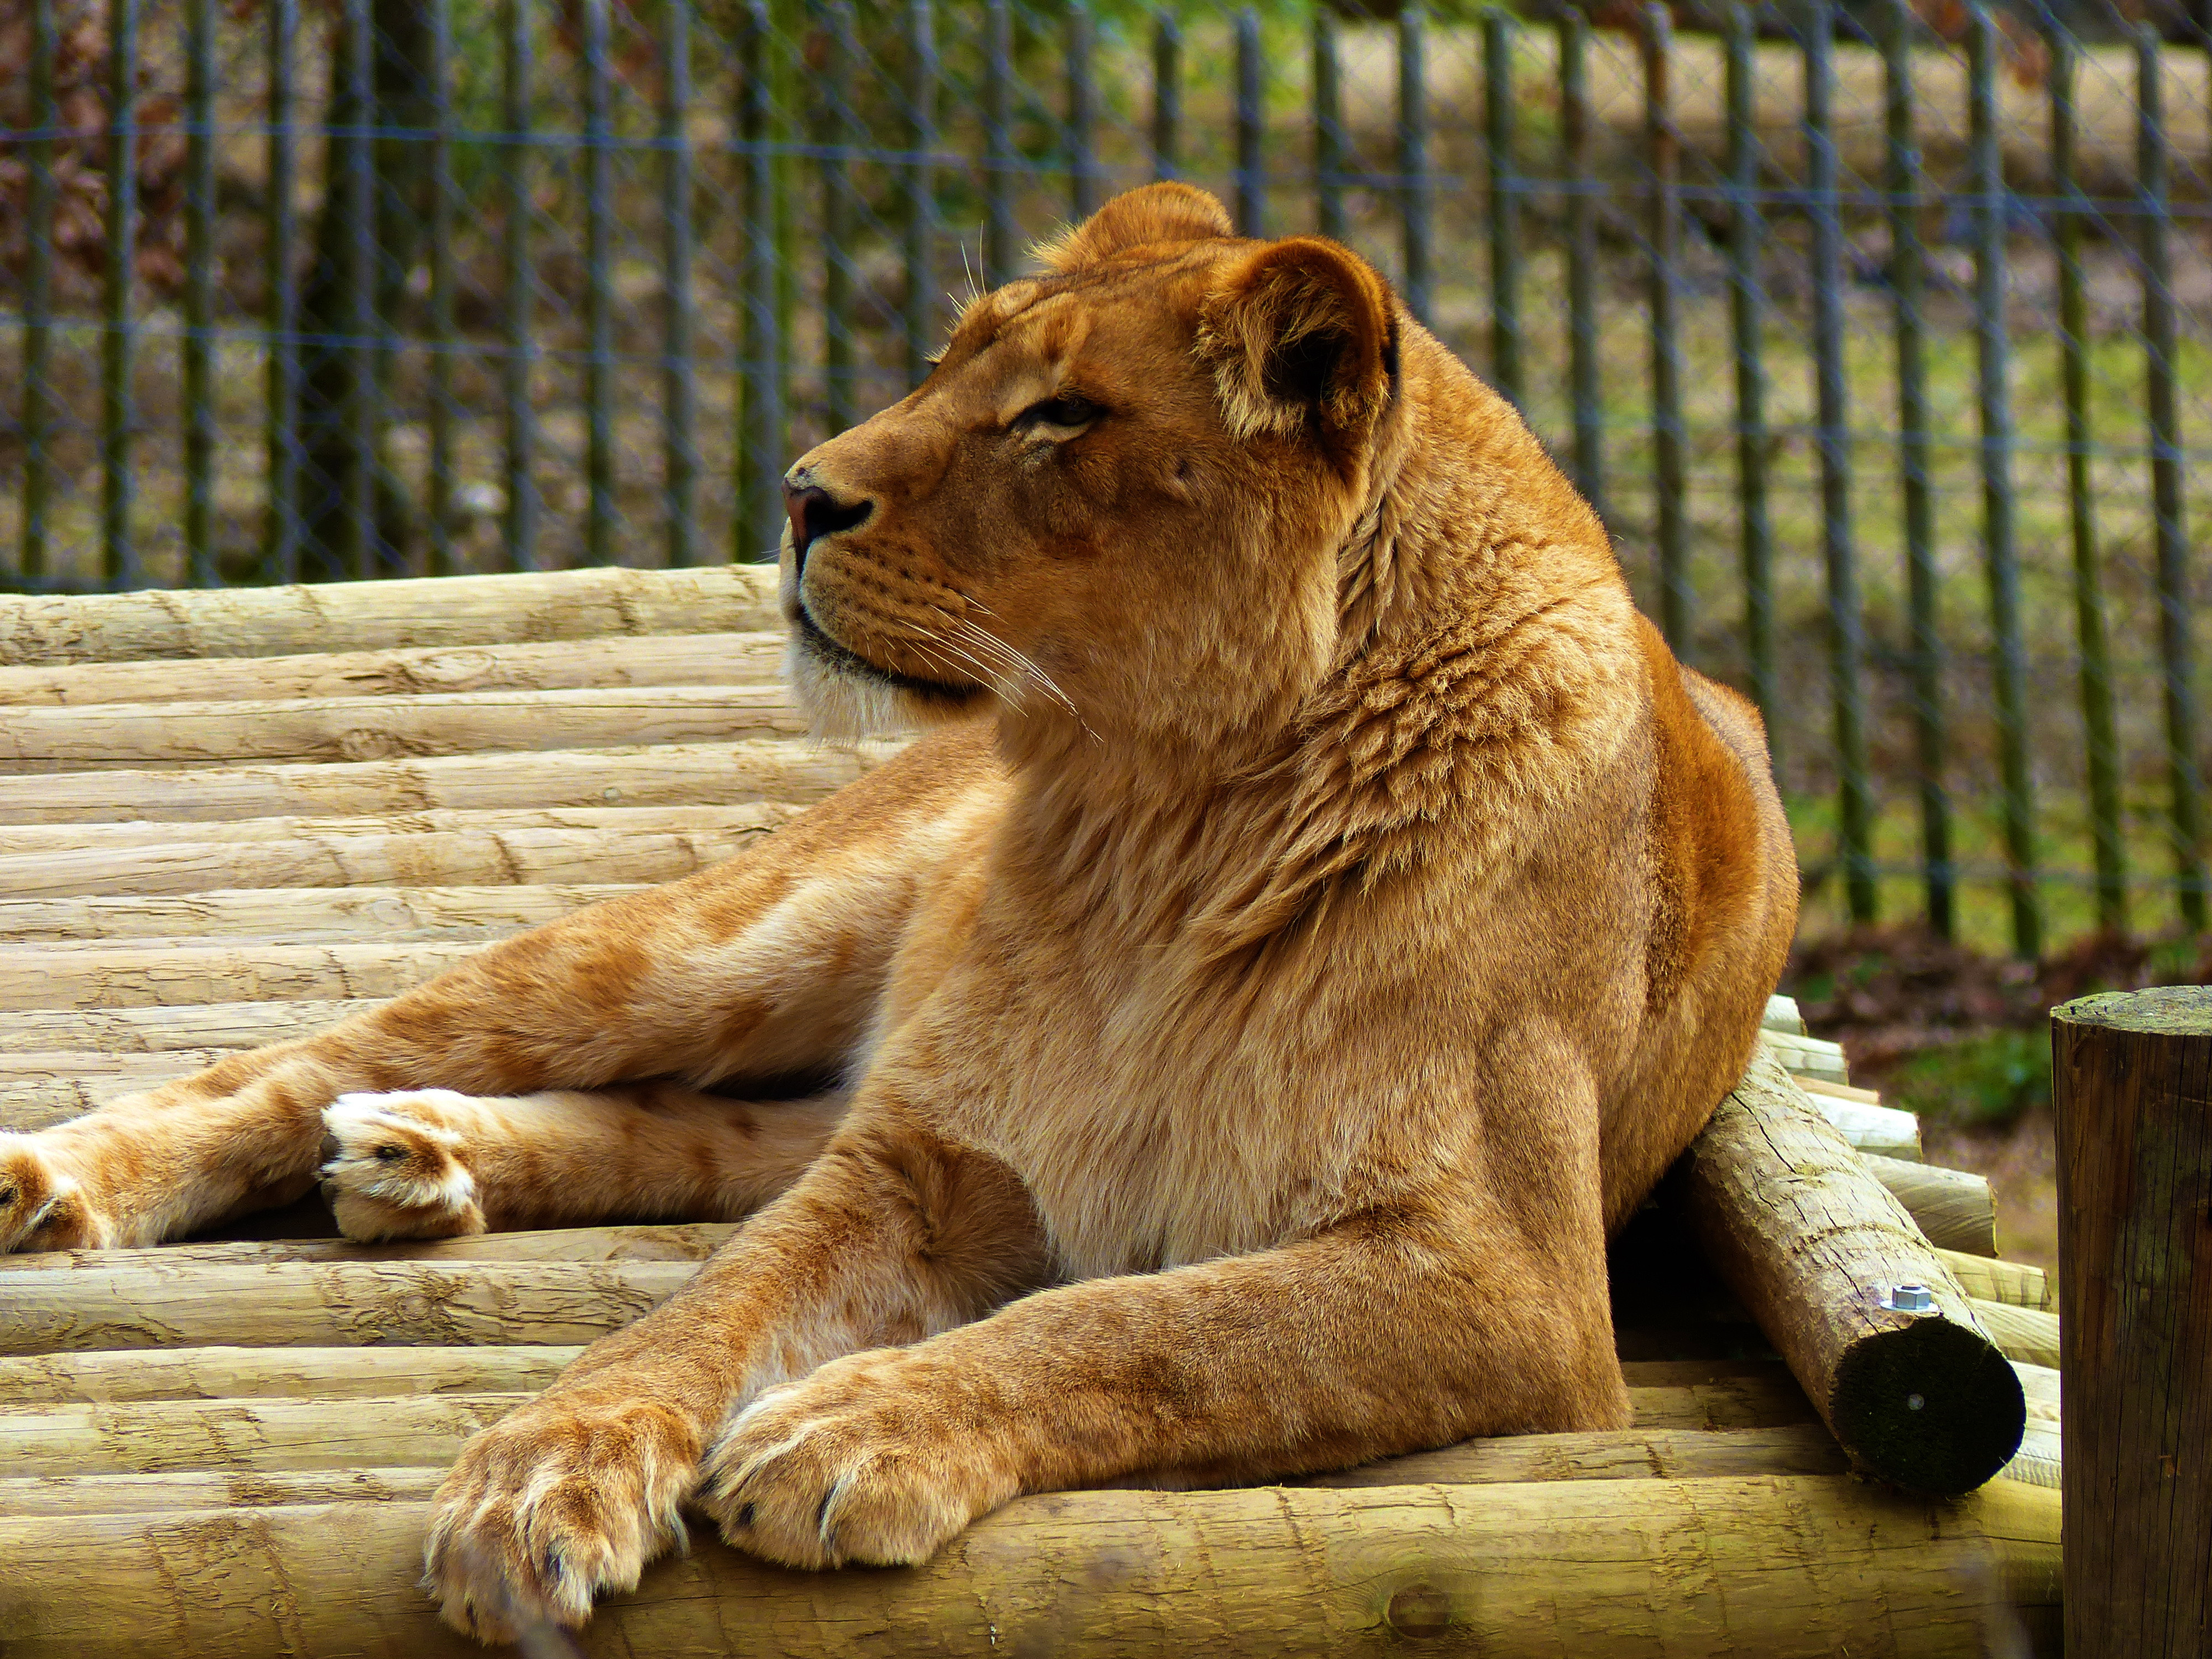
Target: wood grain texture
383 615
368 911
152 1437
1810 1243
29 840
141 735
2021 1284
1783 1567
182 976
185 1490
666 774
680 1241
382 859
2027 1335
301 1373
326 1304
1955 1209
2133 1074
749 659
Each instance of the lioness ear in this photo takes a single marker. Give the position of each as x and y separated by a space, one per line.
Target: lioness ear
1301 329
1166 212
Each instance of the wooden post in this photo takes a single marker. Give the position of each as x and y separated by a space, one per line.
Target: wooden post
2133 1073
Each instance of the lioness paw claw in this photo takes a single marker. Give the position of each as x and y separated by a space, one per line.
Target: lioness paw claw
395 1169
551 1508
43 1207
855 1464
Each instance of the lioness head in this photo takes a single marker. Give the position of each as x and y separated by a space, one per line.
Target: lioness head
1115 505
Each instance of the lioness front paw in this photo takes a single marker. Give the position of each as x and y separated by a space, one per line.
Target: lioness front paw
878 1458
395 1169
43 1204
551 1506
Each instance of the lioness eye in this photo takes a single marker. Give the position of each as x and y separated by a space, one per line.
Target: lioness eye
1065 410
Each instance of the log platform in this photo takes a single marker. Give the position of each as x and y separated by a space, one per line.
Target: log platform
227 818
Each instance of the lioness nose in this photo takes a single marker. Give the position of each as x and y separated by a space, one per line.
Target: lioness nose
816 513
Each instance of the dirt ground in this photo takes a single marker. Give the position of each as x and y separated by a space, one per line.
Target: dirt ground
1961 1038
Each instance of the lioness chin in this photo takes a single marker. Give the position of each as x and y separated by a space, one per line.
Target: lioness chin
1324 911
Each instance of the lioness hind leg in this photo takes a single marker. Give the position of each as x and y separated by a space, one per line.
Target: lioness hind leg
772 964
432 1163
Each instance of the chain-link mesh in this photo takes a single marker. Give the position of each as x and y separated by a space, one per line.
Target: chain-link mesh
1879 333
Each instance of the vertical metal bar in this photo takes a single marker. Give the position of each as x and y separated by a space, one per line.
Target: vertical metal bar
1082 116
1328 126
1251 128
1167 96
358 551
998 233
1846 623
2098 723
1417 192
922 188
840 219
1747 325
2176 647
1908 277
38 299
1584 373
1663 147
199 294
1504 206
281 415
1993 362
599 292
444 338
761 459
119 561
521 549
679 378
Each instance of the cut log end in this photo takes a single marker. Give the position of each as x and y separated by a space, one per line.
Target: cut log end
1930 1407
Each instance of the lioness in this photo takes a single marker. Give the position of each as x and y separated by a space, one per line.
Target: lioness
1323 911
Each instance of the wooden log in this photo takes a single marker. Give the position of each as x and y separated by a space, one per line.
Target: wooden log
2024 1334
2040 1384
225 1373
1626 1454
1782 1015
159 1030
678 1241
46 840
2018 1283
132 976
1955 1209
143 735
2133 1073
1811 1245
1799 1565
753 659
668 774
422 1427
1638 1454
40 1103
1703 1395
2038 1462
324 1303
148 1437
383 615
1881 1131
212 1489
1809 1056
532 858
305 912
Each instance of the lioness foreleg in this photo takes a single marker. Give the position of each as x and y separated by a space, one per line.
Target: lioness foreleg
890 1236
1384 1335
432 1164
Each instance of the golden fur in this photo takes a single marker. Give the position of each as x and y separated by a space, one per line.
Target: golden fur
1326 910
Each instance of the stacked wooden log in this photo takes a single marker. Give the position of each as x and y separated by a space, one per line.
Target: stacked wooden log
230 817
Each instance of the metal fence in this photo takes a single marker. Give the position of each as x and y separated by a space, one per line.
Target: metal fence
1880 351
